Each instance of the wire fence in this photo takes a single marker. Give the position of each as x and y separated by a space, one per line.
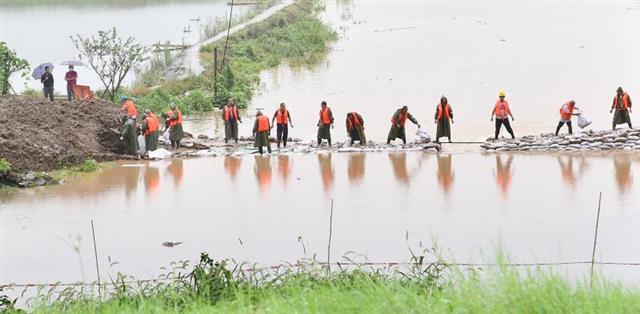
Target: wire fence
337 264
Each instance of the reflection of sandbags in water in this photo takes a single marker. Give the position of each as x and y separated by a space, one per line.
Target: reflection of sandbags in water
142 144
583 122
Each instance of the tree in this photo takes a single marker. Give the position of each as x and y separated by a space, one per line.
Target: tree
110 57
9 64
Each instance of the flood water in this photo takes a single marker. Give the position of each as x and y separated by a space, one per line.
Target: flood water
39 31
542 53
538 207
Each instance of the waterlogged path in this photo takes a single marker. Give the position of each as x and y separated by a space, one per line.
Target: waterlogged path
539 207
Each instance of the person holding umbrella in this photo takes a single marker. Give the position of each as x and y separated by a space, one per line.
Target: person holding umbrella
47 82
72 78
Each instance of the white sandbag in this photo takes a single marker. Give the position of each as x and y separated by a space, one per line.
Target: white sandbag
583 122
159 153
165 137
423 135
142 145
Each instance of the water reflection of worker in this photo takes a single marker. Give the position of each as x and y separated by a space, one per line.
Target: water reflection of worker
232 166
262 169
151 179
326 170
176 170
399 166
284 167
130 177
445 172
503 174
356 168
566 170
622 167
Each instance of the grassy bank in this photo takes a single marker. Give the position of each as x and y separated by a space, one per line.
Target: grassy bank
218 287
294 35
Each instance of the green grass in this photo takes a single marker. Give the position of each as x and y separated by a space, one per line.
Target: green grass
220 288
294 35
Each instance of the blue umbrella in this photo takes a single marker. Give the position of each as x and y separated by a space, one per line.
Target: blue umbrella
39 70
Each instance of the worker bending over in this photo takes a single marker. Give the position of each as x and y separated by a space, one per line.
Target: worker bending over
261 130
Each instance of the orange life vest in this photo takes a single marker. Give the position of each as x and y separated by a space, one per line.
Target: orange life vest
152 124
173 120
324 116
282 118
263 123
566 115
446 112
130 108
227 113
625 102
502 109
354 121
402 118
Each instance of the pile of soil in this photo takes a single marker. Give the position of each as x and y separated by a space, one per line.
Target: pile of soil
39 135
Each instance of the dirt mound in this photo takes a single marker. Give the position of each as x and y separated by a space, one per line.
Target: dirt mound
36 134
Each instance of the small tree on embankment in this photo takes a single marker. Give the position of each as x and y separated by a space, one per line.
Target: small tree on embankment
111 57
9 64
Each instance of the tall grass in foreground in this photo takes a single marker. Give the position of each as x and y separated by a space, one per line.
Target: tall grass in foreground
221 287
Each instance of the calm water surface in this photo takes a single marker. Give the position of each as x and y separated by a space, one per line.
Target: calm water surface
40 32
539 207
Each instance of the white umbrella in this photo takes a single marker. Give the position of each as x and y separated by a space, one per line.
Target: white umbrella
75 63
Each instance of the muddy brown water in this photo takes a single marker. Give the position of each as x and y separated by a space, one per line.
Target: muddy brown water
394 53
538 207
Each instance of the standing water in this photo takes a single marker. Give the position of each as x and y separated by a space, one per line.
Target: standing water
538 207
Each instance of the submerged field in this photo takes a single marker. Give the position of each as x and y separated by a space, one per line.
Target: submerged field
218 287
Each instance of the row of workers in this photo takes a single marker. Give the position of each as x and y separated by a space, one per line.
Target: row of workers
443 118
150 127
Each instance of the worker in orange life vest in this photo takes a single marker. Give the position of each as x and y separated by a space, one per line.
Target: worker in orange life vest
567 111
282 118
443 118
261 130
355 128
397 125
502 112
231 117
622 105
325 123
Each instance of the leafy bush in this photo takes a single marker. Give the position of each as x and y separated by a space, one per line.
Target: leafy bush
5 166
89 165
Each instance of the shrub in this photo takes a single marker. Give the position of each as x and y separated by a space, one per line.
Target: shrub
5 166
89 165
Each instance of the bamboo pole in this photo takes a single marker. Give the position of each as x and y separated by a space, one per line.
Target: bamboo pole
595 241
